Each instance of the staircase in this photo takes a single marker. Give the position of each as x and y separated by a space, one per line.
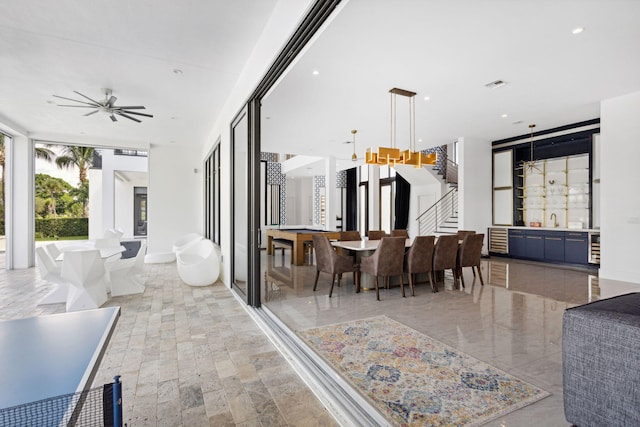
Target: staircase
442 217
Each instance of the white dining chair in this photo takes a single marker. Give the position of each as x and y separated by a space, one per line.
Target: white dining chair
125 275
85 272
50 272
54 252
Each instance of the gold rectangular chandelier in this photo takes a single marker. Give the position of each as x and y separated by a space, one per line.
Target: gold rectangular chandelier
392 156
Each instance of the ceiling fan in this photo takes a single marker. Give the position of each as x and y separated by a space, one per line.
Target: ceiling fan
107 106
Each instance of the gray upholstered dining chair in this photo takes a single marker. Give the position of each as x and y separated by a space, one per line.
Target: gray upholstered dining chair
462 233
376 234
469 255
400 233
386 261
419 259
351 235
329 261
445 255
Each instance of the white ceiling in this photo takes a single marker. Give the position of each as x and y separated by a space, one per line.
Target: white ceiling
445 49
448 50
133 47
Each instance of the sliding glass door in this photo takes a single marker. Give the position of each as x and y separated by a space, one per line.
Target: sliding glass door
240 201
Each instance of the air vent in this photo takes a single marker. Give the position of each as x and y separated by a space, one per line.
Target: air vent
496 84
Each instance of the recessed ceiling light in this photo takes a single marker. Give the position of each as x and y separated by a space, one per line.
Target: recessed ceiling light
50 102
505 116
177 71
577 30
426 98
419 139
315 72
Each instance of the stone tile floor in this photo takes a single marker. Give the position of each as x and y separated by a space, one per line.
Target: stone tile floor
186 356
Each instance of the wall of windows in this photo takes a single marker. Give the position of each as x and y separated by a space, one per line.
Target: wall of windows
212 195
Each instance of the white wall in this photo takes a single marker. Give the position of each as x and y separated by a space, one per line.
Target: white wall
19 212
474 185
620 180
299 201
111 198
422 197
174 196
124 214
96 224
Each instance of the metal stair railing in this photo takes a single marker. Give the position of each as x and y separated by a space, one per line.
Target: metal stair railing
438 213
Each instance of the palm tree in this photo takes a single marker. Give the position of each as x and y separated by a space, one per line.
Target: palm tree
82 158
40 153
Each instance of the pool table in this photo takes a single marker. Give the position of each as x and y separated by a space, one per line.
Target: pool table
297 237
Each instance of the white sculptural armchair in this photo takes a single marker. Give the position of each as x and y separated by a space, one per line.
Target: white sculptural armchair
125 275
50 272
199 264
54 252
85 272
185 242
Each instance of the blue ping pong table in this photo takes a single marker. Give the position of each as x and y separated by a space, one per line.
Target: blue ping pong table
46 356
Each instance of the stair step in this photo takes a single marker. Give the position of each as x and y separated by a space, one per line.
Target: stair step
445 227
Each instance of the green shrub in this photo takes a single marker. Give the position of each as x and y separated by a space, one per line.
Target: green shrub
62 227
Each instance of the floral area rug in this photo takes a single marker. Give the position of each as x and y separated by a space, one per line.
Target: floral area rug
415 380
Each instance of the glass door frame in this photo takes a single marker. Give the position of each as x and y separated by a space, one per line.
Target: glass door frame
318 13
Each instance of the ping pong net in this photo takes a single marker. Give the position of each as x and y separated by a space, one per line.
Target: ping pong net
96 407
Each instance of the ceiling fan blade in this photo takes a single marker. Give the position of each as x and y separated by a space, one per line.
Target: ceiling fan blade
133 107
78 106
111 101
91 112
75 100
113 118
85 96
120 113
133 112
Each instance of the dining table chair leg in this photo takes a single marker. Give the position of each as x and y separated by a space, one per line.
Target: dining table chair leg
316 283
461 275
480 274
434 289
377 291
402 285
410 277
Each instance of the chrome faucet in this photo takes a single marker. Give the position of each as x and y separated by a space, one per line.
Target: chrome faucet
555 220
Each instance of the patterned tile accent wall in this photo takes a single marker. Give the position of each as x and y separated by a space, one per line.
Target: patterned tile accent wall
275 177
318 183
341 179
441 157
269 157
